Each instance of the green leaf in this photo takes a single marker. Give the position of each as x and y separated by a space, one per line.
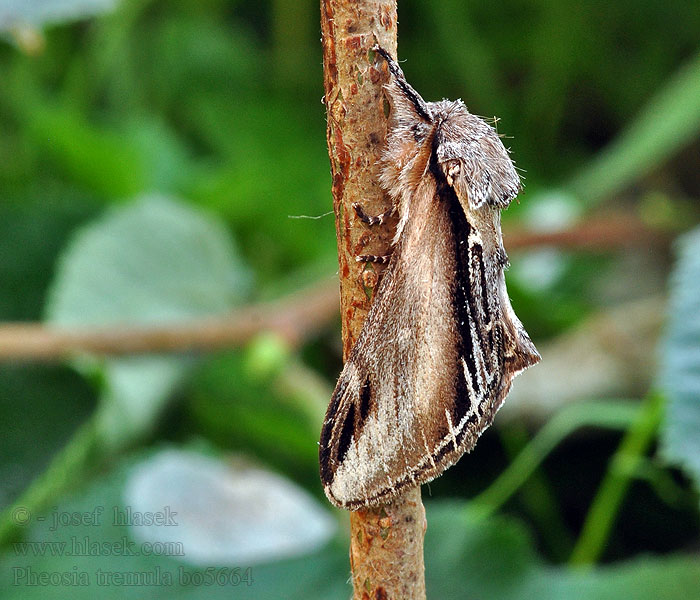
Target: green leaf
681 360
467 557
154 261
248 515
92 155
37 402
44 12
239 408
195 511
669 121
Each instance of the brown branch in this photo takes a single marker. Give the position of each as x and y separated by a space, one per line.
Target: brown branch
386 549
600 232
294 318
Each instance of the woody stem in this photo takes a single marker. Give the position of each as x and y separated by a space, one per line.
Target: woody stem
386 547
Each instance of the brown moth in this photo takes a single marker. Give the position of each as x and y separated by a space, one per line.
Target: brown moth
441 343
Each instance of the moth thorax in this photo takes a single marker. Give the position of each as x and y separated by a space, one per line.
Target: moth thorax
405 152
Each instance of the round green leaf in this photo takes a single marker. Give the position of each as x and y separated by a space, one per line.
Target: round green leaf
681 360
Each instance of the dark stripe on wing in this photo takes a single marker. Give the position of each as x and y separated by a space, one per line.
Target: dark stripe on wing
324 450
463 306
346 433
466 308
365 400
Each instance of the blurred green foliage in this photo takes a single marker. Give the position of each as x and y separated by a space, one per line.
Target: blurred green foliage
217 104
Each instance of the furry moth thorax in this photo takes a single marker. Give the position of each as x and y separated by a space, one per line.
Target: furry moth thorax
441 344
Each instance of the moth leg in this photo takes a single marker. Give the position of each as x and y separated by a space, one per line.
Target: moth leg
373 220
370 220
373 258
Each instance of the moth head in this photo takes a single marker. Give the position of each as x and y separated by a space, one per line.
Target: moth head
468 151
472 157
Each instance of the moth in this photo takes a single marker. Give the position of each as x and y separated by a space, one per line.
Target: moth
441 344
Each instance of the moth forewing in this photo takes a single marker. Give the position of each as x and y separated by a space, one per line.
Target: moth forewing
441 343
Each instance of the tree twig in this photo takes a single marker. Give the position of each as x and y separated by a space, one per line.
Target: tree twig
386 548
294 318
599 232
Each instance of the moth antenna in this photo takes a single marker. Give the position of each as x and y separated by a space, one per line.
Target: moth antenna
412 95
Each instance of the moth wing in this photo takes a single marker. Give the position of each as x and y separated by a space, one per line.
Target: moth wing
391 422
482 180
433 362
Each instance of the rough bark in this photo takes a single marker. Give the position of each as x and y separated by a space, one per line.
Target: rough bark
386 548
356 129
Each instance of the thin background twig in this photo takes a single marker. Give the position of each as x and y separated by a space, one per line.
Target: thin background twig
296 317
